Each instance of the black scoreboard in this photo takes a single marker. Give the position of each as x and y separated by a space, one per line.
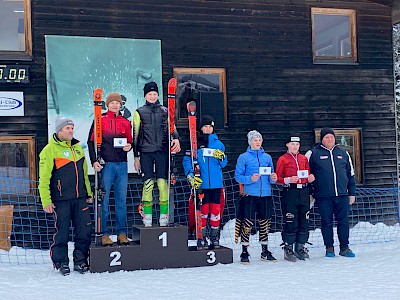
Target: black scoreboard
14 74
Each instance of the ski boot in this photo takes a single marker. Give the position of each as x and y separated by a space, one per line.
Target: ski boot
122 239
148 220
346 252
81 268
267 255
214 239
301 252
330 252
288 252
64 269
244 257
163 220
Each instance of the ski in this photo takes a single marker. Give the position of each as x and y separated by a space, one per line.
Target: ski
196 196
172 168
98 139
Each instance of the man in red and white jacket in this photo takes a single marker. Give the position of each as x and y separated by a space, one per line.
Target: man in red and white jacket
293 173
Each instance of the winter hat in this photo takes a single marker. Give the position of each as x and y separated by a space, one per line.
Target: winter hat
113 97
61 122
206 120
325 131
150 87
253 135
293 138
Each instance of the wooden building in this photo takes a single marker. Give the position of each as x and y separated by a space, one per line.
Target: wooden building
283 66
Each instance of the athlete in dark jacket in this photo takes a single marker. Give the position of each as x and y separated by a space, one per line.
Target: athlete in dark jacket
64 189
334 190
151 144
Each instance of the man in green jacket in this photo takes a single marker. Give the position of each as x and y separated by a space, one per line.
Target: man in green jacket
65 192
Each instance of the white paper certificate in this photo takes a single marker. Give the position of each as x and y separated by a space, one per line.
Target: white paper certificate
208 152
302 173
265 171
120 142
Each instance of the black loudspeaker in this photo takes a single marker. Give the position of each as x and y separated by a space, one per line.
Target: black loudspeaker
212 104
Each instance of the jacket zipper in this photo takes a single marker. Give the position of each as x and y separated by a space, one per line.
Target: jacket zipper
259 165
76 173
59 187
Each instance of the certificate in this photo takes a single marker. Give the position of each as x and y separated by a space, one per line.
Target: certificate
208 152
265 171
120 142
302 174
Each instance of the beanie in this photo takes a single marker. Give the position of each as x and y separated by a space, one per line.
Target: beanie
150 87
253 135
61 122
325 131
293 138
206 120
113 97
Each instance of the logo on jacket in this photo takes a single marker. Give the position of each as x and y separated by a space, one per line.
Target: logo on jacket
66 153
78 152
323 157
339 156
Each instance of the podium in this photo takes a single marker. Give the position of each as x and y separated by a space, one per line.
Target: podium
155 248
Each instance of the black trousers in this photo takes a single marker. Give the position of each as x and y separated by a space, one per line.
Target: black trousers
295 210
261 209
77 211
154 160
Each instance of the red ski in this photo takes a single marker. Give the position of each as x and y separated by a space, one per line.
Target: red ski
196 196
172 169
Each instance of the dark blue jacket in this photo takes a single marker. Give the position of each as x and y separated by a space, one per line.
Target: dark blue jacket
333 171
210 167
248 164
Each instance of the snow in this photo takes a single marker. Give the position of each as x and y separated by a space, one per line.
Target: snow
372 274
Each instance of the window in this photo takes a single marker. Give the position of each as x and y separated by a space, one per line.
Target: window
334 35
207 87
17 161
15 29
350 140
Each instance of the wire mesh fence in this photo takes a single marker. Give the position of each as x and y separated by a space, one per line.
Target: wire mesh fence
26 231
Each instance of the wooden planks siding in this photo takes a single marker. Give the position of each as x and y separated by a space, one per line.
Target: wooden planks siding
265 47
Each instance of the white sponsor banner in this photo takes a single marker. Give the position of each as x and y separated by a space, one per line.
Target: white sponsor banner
11 104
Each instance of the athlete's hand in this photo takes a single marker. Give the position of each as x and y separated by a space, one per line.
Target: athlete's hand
127 147
49 208
175 146
136 164
194 181
274 177
219 154
294 179
97 166
89 200
255 177
352 199
311 178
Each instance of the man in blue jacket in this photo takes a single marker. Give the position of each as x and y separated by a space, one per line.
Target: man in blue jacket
211 159
255 171
334 190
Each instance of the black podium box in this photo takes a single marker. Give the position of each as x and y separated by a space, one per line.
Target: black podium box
155 248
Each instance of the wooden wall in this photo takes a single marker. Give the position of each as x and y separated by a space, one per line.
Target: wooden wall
265 47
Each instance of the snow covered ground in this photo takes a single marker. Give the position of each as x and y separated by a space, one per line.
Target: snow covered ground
373 274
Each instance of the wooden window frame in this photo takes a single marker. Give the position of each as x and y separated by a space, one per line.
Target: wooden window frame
30 140
355 133
27 53
353 35
215 71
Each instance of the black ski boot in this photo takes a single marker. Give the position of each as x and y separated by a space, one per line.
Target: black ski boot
81 268
64 270
301 252
288 252
214 239
267 255
205 240
244 257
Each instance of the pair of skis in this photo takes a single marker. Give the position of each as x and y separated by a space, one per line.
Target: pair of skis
196 196
98 186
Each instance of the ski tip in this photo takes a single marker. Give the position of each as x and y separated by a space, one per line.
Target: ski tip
172 82
97 94
191 107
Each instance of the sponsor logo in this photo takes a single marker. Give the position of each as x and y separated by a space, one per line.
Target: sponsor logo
9 103
66 154
340 157
323 157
